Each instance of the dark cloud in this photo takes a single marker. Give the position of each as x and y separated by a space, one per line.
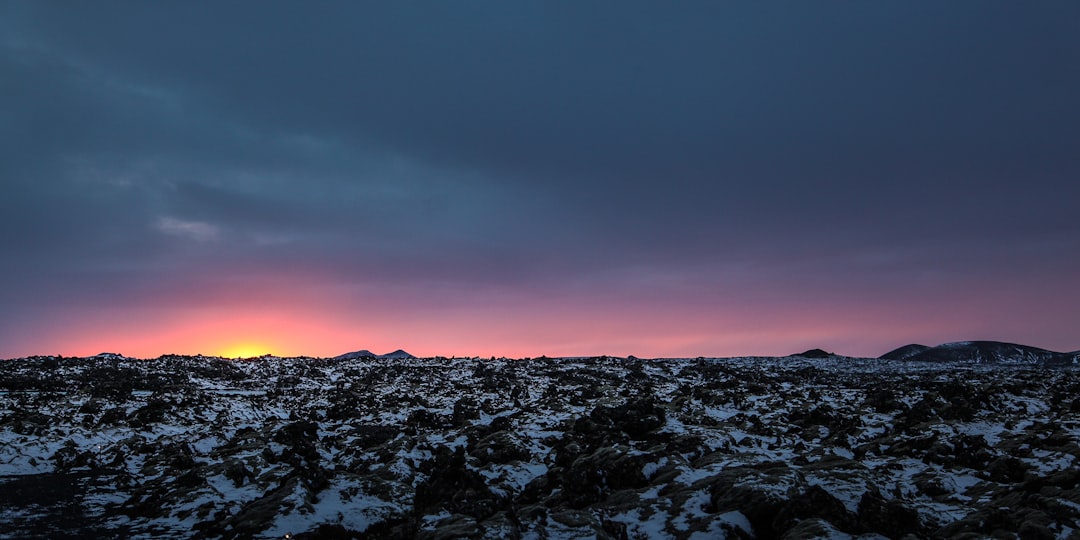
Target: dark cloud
538 145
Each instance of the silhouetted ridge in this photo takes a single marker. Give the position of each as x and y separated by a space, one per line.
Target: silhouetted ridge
814 353
902 353
397 355
364 353
989 352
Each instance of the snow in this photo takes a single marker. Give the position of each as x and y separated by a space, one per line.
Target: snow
650 469
720 527
514 476
640 525
963 482
1047 462
693 508
357 513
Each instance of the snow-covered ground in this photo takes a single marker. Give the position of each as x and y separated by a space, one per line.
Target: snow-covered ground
542 448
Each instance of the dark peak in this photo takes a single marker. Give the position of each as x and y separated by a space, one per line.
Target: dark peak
363 353
815 353
904 352
987 352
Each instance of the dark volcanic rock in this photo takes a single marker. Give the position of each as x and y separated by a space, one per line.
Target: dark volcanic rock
636 418
805 446
453 487
878 514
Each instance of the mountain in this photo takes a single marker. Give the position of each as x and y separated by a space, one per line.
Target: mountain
813 353
989 352
397 355
109 356
904 352
363 353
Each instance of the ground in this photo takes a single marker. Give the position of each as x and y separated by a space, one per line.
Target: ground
543 448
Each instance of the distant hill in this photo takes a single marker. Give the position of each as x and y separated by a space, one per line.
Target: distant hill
397 355
905 352
988 352
364 353
813 353
109 356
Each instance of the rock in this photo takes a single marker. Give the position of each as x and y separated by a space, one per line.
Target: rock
328 531
499 447
372 435
636 418
453 487
27 423
760 493
592 477
238 472
817 503
877 514
882 400
1008 470
501 525
811 528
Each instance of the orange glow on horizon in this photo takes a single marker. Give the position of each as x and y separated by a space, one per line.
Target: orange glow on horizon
499 327
244 350
227 332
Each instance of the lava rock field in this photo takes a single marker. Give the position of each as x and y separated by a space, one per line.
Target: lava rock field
602 447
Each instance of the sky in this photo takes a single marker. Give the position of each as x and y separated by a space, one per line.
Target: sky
537 178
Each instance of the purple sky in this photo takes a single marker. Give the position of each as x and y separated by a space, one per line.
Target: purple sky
535 178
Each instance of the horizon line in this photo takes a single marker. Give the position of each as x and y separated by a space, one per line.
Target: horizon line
541 356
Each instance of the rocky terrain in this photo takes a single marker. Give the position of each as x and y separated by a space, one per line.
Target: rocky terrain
397 447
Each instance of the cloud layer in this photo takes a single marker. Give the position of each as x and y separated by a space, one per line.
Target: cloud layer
562 178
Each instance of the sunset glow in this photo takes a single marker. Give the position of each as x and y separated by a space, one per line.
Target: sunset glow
244 350
493 324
